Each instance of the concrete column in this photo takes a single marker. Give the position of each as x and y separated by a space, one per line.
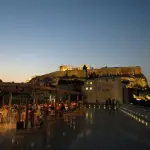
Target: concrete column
26 121
78 101
50 97
56 96
82 100
10 99
3 100
77 98
69 98
36 100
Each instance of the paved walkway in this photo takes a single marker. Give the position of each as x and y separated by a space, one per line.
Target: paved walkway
7 127
97 130
6 130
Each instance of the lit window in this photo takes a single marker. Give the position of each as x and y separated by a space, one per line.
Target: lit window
90 88
86 88
90 82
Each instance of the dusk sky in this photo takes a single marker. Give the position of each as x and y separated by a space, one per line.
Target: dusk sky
37 36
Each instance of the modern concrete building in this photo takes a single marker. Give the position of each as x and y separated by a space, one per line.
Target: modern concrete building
103 88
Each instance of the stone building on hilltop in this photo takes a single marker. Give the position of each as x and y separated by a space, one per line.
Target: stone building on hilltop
68 67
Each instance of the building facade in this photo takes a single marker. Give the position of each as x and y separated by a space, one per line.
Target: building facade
103 88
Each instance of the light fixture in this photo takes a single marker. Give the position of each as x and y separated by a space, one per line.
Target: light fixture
86 88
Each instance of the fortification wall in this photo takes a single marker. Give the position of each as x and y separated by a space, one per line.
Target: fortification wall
78 73
55 74
101 71
118 71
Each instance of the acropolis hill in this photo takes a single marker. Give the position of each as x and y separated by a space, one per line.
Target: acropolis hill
132 74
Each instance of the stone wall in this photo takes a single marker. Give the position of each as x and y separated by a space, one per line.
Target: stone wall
101 71
118 71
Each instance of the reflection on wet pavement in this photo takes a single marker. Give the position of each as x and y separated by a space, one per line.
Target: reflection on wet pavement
7 127
95 130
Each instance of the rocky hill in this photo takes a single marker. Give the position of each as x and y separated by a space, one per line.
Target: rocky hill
132 76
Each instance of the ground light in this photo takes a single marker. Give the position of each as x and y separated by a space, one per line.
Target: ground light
138 119
104 107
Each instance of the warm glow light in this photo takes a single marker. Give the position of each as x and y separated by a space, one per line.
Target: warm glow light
104 107
86 115
148 97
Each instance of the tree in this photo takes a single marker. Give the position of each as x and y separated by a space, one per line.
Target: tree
94 75
66 75
85 69
126 82
74 76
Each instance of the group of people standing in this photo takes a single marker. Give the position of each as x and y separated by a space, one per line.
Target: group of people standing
111 104
36 114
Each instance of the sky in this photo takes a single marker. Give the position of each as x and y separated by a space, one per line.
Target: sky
37 36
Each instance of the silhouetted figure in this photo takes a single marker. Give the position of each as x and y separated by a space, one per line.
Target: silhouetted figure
62 109
32 117
116 104
112 104
97 102
109 103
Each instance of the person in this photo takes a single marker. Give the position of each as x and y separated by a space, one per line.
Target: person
5 114
32 117
53 111
38 115
66 107
109 103
62 109
116 104
112 104
1 118
97 102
